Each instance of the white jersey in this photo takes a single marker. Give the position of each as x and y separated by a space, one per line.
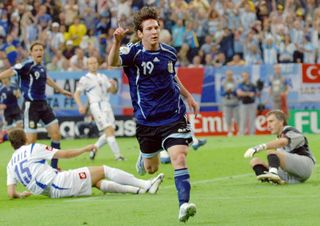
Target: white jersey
95 87
28 165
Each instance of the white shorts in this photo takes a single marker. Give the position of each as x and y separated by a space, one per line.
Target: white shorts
70 183
102 114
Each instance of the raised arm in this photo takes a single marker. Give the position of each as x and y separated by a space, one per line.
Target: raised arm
113 57
66 154
192 104
54 85
7 73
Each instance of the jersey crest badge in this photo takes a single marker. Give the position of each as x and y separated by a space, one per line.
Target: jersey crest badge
170 67
82 175
124 50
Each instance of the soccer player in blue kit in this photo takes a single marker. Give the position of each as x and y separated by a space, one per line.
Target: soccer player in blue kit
33 78
9 95
156 94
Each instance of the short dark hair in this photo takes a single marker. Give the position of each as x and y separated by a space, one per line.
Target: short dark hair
17 138
36 43
280 115
145 13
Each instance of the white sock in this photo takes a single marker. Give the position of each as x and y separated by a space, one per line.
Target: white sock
110 186
124 178
101 141
114 146
273 170
195 140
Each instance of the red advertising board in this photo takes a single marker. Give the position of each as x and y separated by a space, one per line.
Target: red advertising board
212 124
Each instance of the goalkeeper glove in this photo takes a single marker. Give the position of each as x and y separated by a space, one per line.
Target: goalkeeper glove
251 151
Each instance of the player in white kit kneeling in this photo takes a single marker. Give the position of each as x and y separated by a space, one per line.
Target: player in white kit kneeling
97 88
28 166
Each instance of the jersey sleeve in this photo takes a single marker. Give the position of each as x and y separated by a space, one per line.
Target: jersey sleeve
22 69
41 151
10 176
127 54
295 139
81 86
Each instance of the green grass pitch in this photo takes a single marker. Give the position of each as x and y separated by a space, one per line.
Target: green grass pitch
223 187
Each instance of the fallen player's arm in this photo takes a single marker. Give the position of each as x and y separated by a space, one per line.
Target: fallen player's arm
13 194
66 154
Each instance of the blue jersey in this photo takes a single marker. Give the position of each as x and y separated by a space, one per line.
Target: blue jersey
154 91
32 80
8 97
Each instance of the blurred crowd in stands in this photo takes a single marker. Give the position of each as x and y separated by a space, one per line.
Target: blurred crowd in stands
204 32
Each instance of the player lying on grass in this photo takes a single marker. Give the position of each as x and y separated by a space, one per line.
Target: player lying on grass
28 165
289 157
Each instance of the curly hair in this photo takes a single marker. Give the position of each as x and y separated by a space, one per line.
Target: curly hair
145 13
17 138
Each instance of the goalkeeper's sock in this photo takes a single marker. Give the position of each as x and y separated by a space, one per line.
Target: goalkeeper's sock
122 177
110 186
259 169
274 163
56 145
182 181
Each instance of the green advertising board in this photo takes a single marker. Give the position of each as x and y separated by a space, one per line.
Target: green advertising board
306 121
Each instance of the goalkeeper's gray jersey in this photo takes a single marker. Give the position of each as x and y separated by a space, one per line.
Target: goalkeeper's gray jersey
298 143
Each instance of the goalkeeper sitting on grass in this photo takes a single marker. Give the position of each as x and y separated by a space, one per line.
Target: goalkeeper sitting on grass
289 157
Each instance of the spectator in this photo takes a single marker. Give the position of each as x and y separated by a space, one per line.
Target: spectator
246 92
230 102
77 30
183 60
236 61
279 90
70 11
287 48
69 51
164 35
178 31
78 61
56 38
196 62
269 51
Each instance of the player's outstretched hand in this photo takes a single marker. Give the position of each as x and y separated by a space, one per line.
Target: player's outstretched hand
82 110
90 147
25 194
251 151
192 104
67 93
